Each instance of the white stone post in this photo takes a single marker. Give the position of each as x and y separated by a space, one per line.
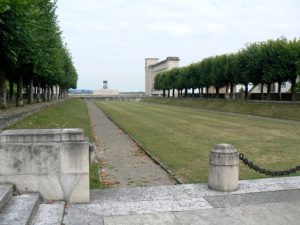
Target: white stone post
223 168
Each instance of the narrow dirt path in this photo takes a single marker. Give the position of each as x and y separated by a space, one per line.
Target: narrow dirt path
124 164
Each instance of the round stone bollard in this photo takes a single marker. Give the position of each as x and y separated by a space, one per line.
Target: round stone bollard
223 168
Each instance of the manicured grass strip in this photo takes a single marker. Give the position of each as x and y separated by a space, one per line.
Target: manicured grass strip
94 177
181 138
71 113
274 110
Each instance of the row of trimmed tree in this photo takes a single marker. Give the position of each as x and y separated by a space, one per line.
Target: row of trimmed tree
265 63
33 56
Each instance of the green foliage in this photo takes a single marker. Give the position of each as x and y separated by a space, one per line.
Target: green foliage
31 44
298 87
261 62
94 177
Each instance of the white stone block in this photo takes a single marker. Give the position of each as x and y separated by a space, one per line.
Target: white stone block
23 183
76 187
75 134
27 158
75 157
52 162
30 135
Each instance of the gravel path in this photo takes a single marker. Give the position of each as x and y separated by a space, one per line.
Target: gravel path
123 163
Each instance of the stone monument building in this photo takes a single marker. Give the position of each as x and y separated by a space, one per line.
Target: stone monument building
153 67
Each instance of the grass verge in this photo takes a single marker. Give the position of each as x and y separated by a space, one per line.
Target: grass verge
181 138
71 113
274 110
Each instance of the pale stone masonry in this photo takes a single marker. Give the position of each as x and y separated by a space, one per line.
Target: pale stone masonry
53 162
223 168
153 67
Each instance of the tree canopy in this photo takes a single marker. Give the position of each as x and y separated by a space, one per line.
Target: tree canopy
272 61
31 45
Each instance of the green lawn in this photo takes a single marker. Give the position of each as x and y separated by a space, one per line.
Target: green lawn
181 137
71 113
282 111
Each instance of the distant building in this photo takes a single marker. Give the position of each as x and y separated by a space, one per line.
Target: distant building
105 84
105 91
153 67
285 87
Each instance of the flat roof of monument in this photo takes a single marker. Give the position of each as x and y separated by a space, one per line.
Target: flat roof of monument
170 58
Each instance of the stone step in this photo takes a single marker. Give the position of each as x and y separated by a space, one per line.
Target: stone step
20 210
49 214
6 192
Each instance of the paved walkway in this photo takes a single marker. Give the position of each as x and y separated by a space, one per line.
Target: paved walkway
123 163
273 201
12 115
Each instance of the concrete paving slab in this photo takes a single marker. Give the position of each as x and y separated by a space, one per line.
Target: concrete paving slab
255 200
148 219
6 192
78 216
189 191
113 208
264 214
223 201
49 214
20 210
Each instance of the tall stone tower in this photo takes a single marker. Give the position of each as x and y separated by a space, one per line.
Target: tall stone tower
153 67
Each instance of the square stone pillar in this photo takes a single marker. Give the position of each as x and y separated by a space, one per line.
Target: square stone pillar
53 162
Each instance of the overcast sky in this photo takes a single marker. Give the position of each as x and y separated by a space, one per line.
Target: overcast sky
109 39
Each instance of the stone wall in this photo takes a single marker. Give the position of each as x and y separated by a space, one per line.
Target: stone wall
53 162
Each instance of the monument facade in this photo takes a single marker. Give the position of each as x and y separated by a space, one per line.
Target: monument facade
153 67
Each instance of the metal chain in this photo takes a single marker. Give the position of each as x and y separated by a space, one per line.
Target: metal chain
258 169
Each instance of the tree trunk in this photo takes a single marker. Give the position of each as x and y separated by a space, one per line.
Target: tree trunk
164 92
19 101
52 92
173 93
269 91
231 90
217 92
193 92
30 95
293 89
49 93
38 93
202 92
207 92
262 91
3 102
59 93
279 91
246 92
185 92
168 93
11 90
56 92
45 99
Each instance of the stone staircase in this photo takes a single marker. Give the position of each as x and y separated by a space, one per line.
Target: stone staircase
27 209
